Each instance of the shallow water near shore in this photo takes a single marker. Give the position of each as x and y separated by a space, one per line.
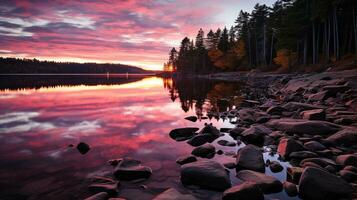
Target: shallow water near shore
118 117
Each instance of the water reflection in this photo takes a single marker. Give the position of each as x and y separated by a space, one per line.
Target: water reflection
116 118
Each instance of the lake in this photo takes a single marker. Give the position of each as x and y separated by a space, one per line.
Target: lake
118 116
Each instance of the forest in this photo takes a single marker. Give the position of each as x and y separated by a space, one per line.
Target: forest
15 65
291 34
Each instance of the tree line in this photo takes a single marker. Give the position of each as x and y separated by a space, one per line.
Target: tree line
290 33
16 65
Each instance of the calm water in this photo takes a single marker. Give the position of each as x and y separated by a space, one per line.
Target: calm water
117 117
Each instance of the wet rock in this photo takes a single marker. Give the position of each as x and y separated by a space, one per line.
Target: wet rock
244 191
250 157
255 135
294 106
83 148
343 121
234 133
317 114
275 167
249 103
346 137
226 143
182 134
275 110
348 176
206 174
114 162
210 130
319 184
130 169
334 89
302 155
220 152
294 174
268 184
110 188
173 194
204 151
191 118
322 162
199 140
290 189
351 168
348 159
301 126
314 146
99 196
230 165
288 146
319 96
225 130
186 159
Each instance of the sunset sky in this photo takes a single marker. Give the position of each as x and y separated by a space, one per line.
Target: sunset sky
135 32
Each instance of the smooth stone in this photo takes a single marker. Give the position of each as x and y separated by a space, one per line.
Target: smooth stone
301 126
268 184
234 133
294 106
207 174
314 146
226 143
290 189
317 114
99 196
302 155
294 174
130 169
346 137
230 165
275 167
181 134
287 146
191 118
244 191
198 140
334 89
348 159
348 176
316 183
83 148
250 157
322 162
275 110
204 151
255 135
211 130
186 159
173 194
111 189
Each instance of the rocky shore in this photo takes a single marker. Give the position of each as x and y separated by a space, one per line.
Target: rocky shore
308 120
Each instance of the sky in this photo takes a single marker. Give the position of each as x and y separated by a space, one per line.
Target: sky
134 32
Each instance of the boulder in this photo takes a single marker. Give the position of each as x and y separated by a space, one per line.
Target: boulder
294 174
302 155
255 135
334 89
319 96
290 189
346 137
198 140
314 146
206 174
173 194
317 114
268 184
98 196
322 162
186 159
301 126
348 176
204 151
288 146
234 133
316 183
348 159
226 143
191 118
294 106
244 191
130 169
181 134
275 167
275 110
83 148
250 157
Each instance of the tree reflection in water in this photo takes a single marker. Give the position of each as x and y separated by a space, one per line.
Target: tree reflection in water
204 96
